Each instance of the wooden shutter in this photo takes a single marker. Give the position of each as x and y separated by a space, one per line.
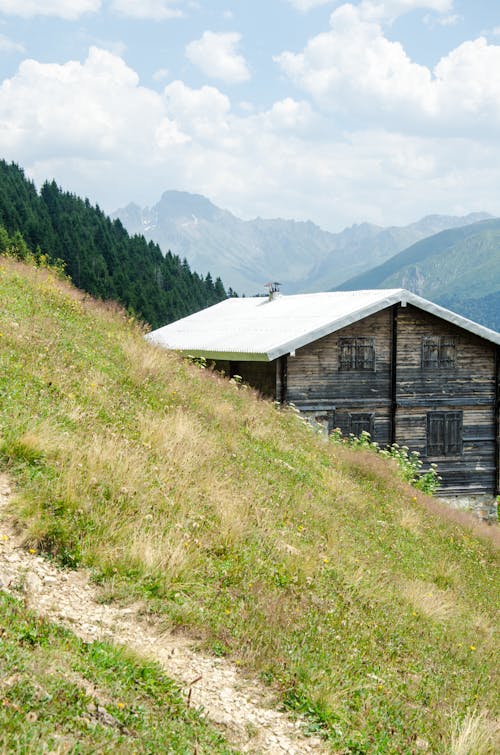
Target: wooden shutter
435 434
362 423
430 352
347 353
447 352
445 433
453 433
365 354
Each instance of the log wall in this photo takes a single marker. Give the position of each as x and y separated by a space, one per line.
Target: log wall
394 399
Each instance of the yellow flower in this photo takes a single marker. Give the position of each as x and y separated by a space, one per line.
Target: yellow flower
120 705
32 550
326 560
472 647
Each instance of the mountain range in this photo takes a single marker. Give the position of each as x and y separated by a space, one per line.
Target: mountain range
459 268
247 253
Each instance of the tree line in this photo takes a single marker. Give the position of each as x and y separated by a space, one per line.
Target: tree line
99 255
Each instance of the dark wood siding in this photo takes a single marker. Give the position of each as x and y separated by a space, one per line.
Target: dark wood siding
425 392
260 375
317 378
408 376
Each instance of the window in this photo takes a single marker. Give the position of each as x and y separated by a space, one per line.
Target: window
444 433
363 422
438 352
356 354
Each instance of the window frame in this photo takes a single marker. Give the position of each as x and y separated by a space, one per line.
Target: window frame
439 352
356 360
448 446
356 416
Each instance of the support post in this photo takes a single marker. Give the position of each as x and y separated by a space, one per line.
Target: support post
394 359
281 379
497 420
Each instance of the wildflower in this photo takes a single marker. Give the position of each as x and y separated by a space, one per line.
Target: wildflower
326 560
472 647
32 550
120 705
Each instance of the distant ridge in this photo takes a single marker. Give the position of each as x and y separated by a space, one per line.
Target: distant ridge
246 253
459 268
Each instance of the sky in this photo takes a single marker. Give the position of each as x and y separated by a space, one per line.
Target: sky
374 110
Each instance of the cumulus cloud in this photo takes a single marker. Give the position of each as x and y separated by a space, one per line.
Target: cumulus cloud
216 55
8 45
354 69
67 9
392 9
97 131
77 109
157 10
381 9
306 5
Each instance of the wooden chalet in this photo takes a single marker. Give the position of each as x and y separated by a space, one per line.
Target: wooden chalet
386 361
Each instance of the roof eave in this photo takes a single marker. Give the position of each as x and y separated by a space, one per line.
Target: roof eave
453 317
332 327
223 356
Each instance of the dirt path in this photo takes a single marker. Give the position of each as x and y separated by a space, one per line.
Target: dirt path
242 707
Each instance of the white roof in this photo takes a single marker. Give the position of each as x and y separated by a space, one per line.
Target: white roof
259 329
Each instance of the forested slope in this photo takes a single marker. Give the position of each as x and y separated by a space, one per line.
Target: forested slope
100 256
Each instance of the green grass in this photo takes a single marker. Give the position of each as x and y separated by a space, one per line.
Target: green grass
59 694
367 606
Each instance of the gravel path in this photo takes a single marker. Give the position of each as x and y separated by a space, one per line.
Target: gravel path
242 707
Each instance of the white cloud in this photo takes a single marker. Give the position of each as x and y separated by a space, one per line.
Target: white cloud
306 5
98 132
380 9
391 9
161 74
78 110
355 70
158 10
8 45
216 55
67 9
288 114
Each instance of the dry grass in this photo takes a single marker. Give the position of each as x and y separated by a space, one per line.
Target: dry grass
477 734
312 564
427 598
411 520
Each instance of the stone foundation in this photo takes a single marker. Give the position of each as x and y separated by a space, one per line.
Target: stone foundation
484 507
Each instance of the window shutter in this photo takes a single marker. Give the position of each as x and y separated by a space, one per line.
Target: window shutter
435 434
347 353
438 352
362 423
445 433
365 354
430 352
453 433
447 352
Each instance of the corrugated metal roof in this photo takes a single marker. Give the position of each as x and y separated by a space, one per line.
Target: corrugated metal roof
259 329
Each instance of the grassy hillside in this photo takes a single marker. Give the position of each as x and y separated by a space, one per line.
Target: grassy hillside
368 606
459 268
62 695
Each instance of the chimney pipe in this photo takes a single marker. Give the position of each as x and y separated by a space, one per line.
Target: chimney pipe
274 289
